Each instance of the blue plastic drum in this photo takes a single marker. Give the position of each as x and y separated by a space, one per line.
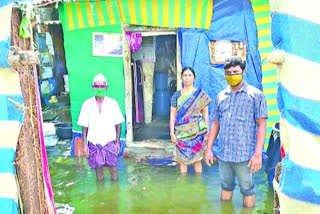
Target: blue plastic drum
161 80
162 102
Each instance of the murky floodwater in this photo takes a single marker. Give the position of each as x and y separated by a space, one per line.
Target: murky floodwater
145 189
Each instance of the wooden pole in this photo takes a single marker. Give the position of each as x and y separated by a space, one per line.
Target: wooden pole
178 64
128 85
276 204
28 157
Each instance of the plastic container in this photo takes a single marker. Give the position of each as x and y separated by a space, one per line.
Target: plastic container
162 102
64 130
66 88
161 80
66 83
66 79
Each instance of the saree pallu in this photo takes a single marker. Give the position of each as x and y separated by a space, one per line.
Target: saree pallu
190 127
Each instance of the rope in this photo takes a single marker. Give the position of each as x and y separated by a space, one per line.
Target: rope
21 106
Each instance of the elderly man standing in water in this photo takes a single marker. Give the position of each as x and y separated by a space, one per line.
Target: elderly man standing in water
101 119
239 116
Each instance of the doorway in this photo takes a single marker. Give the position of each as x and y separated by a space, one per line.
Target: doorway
154 80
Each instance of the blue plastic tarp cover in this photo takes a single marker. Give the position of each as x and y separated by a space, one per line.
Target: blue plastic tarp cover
231 20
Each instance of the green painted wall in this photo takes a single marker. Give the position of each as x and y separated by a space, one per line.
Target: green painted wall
82 67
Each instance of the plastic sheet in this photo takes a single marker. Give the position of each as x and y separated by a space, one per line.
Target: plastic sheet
231 20
273 153
298 100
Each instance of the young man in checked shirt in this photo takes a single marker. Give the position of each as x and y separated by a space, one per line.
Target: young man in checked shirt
239 117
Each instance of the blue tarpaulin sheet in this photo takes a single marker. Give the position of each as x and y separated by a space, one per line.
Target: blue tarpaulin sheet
231 20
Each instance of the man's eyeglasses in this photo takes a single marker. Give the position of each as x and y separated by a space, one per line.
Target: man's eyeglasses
99 86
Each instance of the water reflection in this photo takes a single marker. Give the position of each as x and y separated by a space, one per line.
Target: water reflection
147 189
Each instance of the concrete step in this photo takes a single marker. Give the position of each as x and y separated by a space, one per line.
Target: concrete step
150 149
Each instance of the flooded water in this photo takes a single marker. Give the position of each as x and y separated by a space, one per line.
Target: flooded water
145 189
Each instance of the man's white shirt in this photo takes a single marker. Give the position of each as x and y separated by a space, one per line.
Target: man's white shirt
101 125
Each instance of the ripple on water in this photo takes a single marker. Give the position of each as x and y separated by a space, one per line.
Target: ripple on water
144 188
147 189
64 208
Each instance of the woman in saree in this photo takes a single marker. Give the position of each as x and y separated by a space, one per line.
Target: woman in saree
189 120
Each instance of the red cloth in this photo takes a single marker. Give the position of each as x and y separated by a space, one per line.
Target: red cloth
283 153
